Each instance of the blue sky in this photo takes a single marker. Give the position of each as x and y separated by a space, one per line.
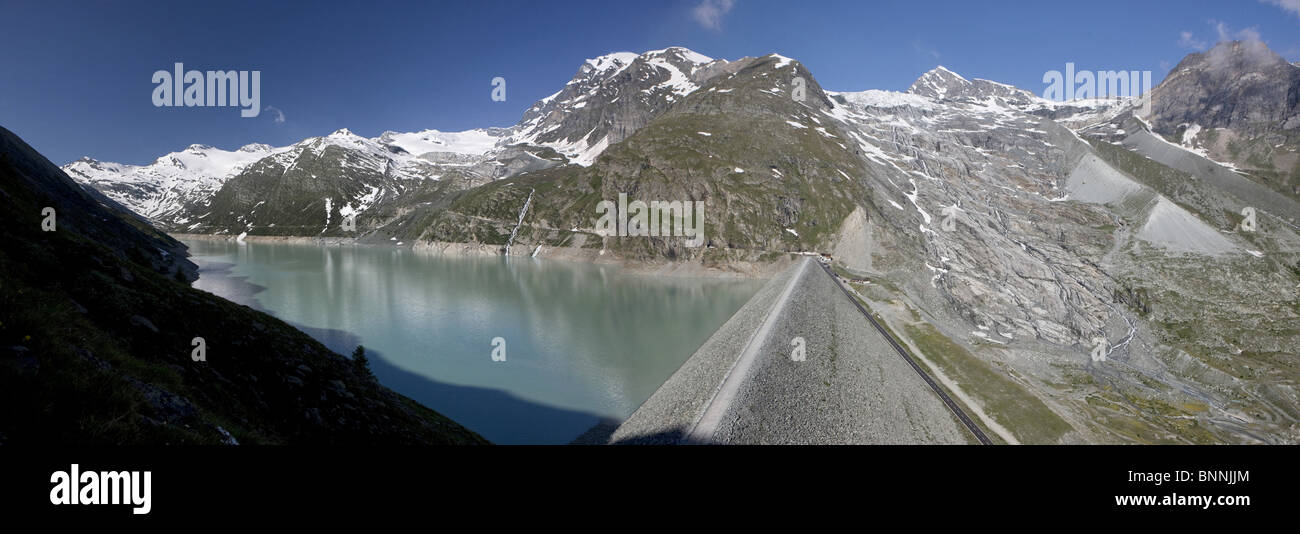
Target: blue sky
75 77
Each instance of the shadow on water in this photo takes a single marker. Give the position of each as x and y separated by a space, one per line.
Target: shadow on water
496 415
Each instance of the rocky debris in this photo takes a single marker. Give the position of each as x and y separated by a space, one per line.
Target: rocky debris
338 388
1009 259
90 358
1037 240
20 359
1137 300
166 407
142 322
226 438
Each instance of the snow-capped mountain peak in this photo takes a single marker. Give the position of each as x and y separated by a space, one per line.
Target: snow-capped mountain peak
256 147
945 71
616 60
162 188
938 83
609 98
943 85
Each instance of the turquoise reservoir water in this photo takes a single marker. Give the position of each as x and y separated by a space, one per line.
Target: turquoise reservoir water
582 343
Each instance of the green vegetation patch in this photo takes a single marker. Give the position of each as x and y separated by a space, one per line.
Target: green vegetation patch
1005 400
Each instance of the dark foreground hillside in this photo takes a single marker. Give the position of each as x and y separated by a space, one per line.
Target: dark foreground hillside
96 324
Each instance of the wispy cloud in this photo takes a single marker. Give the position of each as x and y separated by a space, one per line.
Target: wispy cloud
1187 40
1250 35
1253 48
1292 6
1226 33
1222 33
922 49
710 12
279 115
1222 30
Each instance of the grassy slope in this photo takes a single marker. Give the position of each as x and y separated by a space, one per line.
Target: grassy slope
1006 401
793 178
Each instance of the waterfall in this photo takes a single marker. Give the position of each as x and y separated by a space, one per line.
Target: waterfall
522 212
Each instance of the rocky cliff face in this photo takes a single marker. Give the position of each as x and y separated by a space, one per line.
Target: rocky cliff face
1237 103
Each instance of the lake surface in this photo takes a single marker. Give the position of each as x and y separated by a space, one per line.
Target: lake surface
583 343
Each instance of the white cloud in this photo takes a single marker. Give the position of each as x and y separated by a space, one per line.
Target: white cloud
1187 40
279 115
1222 29
1225 33
925 50
710 12
1250 35
1292 6
1254 49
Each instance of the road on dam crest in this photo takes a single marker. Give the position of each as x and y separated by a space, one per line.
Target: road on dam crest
746 384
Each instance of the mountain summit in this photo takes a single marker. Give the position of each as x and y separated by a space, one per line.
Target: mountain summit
610 97
1238 102
943 84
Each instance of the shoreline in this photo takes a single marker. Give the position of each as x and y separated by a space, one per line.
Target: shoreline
741 269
